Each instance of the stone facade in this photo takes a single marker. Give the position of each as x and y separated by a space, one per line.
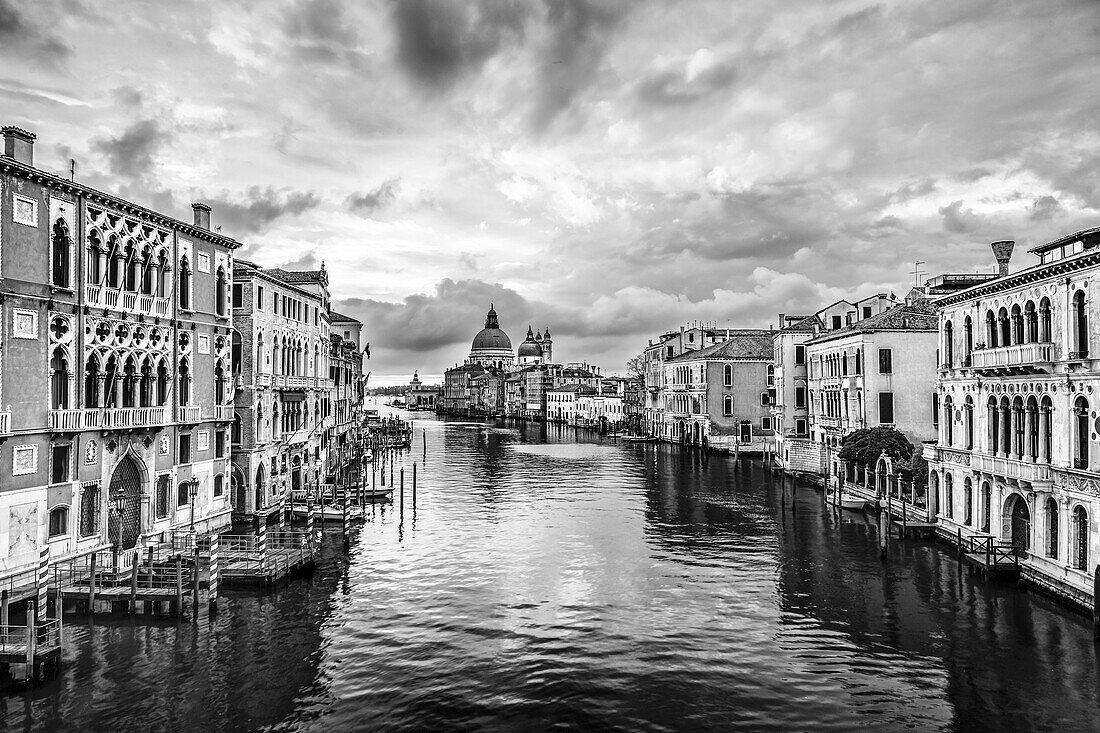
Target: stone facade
1018 387
116 377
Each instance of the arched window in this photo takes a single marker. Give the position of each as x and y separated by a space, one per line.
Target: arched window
1052 528
1031 424
235 354
183 493
59 380
110 382
1018 426
1080 538
183 390
968 416
1046 430
62 254
1006 427
1004 335
92 267
948 344
1080 326
164 275
91 382
968 499
219 485
146 269
184 286
220 292
219 383
948 422
1044 320
114 262
129 383
968 337
89 511
162 383
990 329
727 405
1031 322
1017 320
948 496
145 391
59 521
727 375
131 269
236 434
859 361
1081 433
259 424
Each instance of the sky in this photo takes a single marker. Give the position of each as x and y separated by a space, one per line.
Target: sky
608 169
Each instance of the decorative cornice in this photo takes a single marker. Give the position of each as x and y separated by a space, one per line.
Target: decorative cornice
1087 259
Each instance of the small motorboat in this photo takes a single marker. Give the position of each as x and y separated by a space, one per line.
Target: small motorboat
852 502
328 512
637 438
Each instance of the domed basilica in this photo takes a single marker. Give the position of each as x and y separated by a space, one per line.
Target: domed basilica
492 347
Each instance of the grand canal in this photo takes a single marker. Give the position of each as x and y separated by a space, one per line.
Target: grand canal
552 580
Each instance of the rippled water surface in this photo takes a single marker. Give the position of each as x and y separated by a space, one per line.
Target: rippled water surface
547 580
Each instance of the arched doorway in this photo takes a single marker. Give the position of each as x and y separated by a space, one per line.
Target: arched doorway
296 475
1018 518
239 490
123 528
259 488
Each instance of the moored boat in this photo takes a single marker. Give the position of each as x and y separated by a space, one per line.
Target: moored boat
853 502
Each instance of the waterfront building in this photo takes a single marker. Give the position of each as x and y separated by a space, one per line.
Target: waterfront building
420 396
349 385
562 402
667 346
457 388
536 349
878 371
491 346
720 395
793 448
487 393
1016 457
117 383
281 354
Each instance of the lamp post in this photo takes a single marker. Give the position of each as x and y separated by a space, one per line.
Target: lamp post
193 491
116 506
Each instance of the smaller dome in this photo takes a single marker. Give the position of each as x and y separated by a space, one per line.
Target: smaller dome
529 348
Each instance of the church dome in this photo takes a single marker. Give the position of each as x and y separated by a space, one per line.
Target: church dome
530 346
491 337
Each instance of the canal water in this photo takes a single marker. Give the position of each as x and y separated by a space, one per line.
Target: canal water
549 580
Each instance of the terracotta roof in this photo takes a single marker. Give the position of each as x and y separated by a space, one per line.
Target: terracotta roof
341 318
747 344
916 316
573 388
806 325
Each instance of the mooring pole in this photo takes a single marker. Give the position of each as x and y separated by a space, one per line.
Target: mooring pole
91 590
215 571
134 581
414 484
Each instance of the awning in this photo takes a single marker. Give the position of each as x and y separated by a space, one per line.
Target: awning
294 396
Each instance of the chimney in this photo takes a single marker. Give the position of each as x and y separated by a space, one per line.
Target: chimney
19 144
202 215
781 316
1002 252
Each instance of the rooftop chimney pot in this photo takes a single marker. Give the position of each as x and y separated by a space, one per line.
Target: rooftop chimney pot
202 215
1002 252
19 144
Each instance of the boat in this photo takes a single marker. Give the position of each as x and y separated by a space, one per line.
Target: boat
637 439
853 502
328 512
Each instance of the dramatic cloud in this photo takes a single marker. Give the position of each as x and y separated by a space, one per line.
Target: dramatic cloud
606 168
131 154
258 208
28 37
365 204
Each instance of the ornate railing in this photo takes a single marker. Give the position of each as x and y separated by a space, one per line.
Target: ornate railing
66 420
189 413
132 417
224 413
1010 467
1020 355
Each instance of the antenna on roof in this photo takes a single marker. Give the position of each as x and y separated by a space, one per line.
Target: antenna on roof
917 272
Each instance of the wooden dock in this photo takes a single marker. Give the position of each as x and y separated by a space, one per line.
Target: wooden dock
984 555
922 530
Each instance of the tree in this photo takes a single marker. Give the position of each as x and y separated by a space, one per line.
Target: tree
636 367
918 469
867 444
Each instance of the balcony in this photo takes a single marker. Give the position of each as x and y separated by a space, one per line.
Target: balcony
830 422
126 417
933 452
66 421
5 423
189 413
224 413
1035 358
1011 468
263 380
293 382
99 296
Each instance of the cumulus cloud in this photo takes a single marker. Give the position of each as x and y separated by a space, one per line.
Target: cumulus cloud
959 220
1045 208
132 153
258 208
367 203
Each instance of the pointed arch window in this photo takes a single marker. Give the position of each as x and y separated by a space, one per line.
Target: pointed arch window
91 382
184 286
220 292
184 387
1080 538
93 267
1052 528
62 254
59 380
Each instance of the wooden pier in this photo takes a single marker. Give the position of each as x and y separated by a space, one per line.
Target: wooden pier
266 557
984 555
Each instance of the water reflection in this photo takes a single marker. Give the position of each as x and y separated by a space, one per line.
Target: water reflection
548 579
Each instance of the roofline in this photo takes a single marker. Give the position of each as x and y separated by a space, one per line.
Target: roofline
11 165
833 335
252 269
1040 271
1063 240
